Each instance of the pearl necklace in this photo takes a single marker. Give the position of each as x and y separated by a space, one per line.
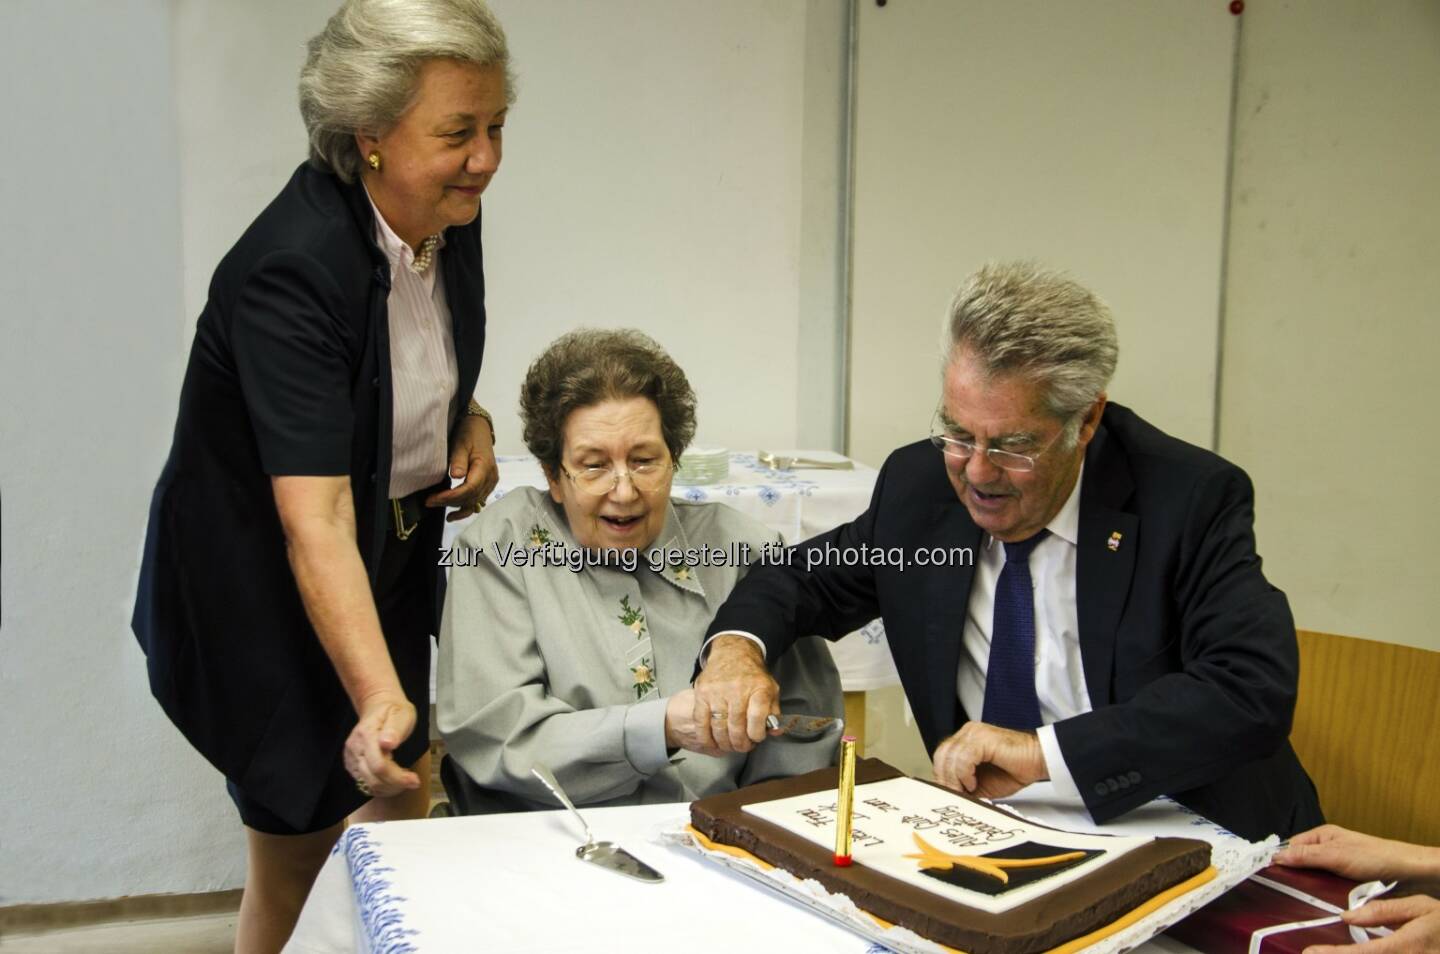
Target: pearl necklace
425 256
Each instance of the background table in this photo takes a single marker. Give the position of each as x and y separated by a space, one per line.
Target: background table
796 503
512 883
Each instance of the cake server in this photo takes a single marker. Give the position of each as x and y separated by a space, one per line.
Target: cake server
802 727
606 854
785 462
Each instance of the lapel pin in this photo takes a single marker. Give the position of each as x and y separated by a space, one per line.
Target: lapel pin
1114 542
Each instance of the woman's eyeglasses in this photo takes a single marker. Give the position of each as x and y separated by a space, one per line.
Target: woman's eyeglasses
646 477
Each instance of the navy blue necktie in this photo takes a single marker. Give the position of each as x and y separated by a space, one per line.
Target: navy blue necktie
1010 699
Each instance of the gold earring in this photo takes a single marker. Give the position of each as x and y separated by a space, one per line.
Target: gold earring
374 160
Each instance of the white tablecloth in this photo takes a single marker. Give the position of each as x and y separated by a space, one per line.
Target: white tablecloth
798 504
512 883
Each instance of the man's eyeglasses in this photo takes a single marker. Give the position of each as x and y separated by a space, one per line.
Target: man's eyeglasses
646 477
964 450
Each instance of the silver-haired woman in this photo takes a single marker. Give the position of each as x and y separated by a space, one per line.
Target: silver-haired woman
289 590
570 634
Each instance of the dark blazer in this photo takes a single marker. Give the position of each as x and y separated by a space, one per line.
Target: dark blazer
289 373
1190 655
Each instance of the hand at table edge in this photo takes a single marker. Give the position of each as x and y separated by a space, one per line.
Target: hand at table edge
1415 920
1361 857
989 761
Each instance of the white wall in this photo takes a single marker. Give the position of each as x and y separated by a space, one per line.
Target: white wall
661 171
1332 330
652 179
101 795
666 168
1091 136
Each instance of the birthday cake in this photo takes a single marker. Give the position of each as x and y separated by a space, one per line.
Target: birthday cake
949 867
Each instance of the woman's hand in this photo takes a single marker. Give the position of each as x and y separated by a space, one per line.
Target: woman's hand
1360 857
386 719
1415 920
681 731
472 461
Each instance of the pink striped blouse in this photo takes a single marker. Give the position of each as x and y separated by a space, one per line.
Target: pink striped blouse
423 372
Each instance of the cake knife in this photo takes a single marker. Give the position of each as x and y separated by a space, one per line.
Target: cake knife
802 727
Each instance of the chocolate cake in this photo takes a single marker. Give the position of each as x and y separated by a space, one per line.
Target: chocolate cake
1090 901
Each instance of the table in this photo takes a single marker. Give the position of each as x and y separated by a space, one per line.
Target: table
797 504
512 883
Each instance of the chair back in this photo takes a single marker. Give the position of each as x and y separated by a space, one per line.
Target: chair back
467 798
1366 726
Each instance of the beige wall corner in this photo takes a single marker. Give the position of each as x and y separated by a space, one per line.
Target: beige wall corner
1331 334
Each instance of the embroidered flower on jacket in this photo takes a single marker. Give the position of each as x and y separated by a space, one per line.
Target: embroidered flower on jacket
644 678
632 617
539 536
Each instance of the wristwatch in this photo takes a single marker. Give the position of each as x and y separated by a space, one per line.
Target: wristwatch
475 410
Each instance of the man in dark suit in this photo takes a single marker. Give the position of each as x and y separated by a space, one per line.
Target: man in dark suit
1079 598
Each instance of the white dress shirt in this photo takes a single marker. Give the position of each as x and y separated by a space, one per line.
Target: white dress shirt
1059 674
1059 670
424 375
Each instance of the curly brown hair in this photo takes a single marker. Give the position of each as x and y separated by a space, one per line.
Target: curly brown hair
583 368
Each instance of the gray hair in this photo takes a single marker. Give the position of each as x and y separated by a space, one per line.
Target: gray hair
1015 317
361 69
586 367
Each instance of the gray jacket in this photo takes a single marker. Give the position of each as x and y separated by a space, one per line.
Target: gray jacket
536 657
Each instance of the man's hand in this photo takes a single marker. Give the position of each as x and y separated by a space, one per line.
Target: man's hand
989 761
1416 921
1360 857
733 696
472 461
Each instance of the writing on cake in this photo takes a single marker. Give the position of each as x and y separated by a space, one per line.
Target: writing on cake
962 850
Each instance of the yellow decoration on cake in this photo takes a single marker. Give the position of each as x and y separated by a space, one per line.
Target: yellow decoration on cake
933 859
1148 908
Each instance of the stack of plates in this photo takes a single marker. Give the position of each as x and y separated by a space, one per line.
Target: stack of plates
703 465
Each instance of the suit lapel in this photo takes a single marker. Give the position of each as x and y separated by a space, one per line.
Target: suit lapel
947 592
1109 538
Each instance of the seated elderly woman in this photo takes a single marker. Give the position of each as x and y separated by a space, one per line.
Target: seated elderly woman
567 639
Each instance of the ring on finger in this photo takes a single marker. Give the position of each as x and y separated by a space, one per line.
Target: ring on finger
718 716
364 787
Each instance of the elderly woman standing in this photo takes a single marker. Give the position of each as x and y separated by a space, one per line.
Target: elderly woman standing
578 653
289 589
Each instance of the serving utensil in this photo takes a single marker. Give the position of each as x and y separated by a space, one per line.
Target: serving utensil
606 854
785 462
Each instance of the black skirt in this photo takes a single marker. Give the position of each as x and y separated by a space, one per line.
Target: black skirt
404 598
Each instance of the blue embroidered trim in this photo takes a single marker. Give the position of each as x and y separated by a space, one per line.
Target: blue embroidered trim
379 909
1199 820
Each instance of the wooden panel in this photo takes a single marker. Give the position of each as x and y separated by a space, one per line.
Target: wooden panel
1365 727
39 918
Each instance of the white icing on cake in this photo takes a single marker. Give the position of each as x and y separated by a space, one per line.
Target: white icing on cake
983 846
